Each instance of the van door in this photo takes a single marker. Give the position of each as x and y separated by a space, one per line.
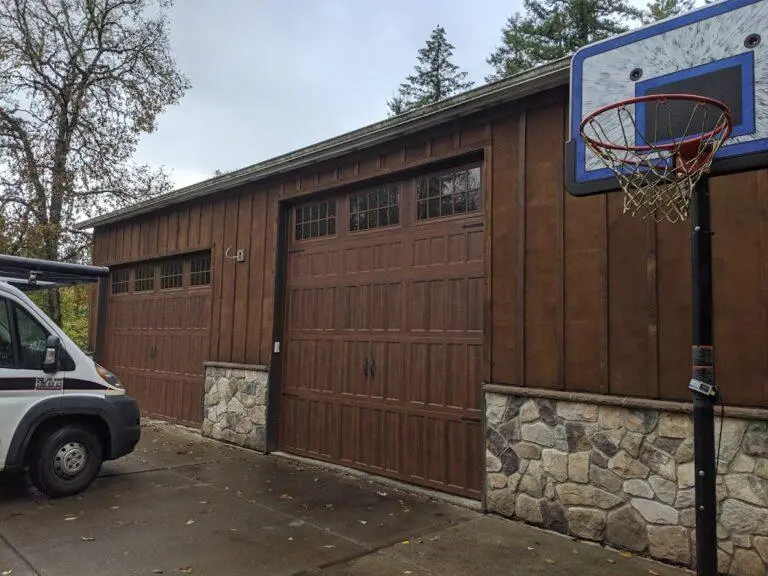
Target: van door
23 384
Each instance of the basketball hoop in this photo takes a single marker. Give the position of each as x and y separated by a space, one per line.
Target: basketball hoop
659 157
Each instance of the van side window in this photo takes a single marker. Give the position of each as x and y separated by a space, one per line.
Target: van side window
6 347
32 338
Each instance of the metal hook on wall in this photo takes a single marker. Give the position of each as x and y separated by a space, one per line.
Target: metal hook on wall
238 256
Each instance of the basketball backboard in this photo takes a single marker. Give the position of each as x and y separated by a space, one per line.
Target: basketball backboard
719 51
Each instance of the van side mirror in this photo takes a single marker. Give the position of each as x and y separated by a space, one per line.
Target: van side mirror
52 347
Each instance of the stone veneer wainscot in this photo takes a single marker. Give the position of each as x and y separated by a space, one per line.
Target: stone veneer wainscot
624 475
235 404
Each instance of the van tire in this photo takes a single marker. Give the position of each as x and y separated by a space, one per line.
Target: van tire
65 461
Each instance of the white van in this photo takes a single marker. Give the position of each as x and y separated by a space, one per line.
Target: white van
61 413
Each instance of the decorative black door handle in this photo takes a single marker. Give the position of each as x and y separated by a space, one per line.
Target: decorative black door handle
373 369
365 367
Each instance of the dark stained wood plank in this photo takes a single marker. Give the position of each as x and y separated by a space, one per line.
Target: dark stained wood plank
218 224
152 234
762 186
605 361
268 302
206 225
183 227
560 256
162 234
194 226
228 272
522 147
487 180
241 284
173 231
543 179
258 230
653 309
584 227
628 302
673 266
144 238
738 294
135 240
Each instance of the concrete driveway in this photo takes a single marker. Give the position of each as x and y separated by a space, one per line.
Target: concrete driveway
186 505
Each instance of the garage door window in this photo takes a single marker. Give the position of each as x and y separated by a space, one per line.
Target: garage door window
374 208
316 220
200 270
171 275
120 280
455 192
145 279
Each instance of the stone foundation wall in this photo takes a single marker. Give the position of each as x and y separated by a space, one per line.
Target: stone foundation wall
235 404
625 477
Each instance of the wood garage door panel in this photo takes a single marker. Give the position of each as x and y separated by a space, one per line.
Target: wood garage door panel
157 343
384 345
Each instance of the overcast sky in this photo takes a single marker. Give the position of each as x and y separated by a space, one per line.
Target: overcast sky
270 76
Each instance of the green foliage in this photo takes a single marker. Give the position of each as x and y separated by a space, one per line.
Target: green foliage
75 304
660 9
435 77
552 29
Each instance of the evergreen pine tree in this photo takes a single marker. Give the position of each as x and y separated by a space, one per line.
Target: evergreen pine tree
435 77
552 29
660 9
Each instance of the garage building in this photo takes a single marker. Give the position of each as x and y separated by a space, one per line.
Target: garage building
421 299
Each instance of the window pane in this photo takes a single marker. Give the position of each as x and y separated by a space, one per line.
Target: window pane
362 202
421 211
352 222
305 230
446 185
393 196
434 207
200 270
421 189
307 215
323 227
298 231
446 206
383 197
32 339
461 181
6 349
460 202
434 187
332 226
373 219
394 215
352 204
299 215
315 212
383 217
373 199
474 179
323 210
313 231
331 208
473 201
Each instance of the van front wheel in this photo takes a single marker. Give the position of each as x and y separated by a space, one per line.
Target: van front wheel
65 461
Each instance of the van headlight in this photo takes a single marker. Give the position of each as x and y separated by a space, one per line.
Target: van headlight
107 376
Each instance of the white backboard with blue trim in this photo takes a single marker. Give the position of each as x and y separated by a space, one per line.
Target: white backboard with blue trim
719 51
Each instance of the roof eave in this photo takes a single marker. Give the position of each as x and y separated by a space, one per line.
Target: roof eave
516 87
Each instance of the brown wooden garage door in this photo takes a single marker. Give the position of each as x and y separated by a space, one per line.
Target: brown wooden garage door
384 338
158 321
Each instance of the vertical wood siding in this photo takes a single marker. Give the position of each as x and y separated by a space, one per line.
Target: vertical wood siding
579 297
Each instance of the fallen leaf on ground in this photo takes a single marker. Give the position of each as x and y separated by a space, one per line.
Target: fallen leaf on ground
381 493
653 573
548 561
405 542
203 501
611 561
186 570
626 554
531 548
290 538
190 522
6 573
87 538
70 518
114 507
329 546
157 571
329 506
363 522
286 497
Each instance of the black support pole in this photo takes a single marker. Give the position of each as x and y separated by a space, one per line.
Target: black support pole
703 383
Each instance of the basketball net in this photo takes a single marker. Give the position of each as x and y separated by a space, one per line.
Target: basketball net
658 171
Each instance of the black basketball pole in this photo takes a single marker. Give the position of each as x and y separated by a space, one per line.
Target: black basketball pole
703 383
